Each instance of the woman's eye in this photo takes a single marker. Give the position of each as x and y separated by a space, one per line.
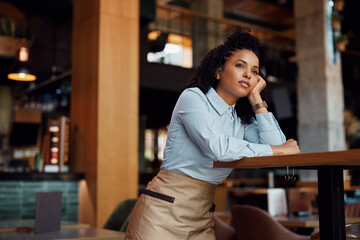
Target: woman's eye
239 65
255 73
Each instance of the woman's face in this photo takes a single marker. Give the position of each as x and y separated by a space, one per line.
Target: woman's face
238 76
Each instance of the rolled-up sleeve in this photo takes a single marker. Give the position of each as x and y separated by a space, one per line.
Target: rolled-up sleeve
265 130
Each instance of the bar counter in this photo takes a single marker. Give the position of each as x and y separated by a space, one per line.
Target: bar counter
36 176
18 193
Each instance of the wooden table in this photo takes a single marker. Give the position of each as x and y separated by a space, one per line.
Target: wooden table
311 221
12 225
68 233
330 167
69 230
307 221
239 191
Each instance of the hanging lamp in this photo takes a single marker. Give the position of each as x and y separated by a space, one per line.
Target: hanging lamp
21 70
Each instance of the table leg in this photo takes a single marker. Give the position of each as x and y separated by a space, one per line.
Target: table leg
331 203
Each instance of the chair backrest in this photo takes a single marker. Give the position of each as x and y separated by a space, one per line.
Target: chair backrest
352 210
119 218
301 201
222 230
352 232
315 236
252 223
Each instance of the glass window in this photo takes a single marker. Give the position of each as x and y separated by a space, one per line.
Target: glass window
172 49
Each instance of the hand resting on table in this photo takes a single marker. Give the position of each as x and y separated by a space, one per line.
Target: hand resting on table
289 147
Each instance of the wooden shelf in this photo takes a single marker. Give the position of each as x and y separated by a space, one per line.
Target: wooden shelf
44 84
9 46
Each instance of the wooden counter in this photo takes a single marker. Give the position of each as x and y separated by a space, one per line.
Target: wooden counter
307 160
330 167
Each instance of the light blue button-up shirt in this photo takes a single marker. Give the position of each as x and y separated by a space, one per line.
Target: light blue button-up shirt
204 128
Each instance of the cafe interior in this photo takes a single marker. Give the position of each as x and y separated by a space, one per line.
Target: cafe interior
87 89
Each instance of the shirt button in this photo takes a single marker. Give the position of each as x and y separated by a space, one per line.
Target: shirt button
229 108
231 118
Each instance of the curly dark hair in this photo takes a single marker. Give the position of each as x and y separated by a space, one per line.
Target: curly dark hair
204 77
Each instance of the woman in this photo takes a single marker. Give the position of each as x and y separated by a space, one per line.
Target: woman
220 116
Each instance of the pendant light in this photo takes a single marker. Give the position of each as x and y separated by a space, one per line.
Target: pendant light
21 70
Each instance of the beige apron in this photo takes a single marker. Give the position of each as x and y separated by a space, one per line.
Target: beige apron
173 206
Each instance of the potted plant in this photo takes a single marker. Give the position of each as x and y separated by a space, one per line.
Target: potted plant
336 19
340 42
339 5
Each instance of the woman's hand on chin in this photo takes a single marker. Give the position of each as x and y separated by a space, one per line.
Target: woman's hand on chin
254 96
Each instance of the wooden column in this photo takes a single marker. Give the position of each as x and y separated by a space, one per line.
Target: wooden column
104 104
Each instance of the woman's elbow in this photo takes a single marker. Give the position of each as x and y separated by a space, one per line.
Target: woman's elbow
215 154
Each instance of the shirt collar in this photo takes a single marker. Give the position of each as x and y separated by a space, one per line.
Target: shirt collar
217 102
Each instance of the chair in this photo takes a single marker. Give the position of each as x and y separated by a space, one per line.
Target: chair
120 217
301 201
315 236
252 223
352 210
352 232
222 230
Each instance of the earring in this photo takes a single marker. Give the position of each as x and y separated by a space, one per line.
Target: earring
217 73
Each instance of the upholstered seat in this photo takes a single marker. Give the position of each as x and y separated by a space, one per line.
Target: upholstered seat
120 217
222 230
252 223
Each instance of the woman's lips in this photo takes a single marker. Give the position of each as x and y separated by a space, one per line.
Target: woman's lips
245 84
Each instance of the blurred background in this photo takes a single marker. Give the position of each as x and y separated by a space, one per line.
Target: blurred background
37 133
